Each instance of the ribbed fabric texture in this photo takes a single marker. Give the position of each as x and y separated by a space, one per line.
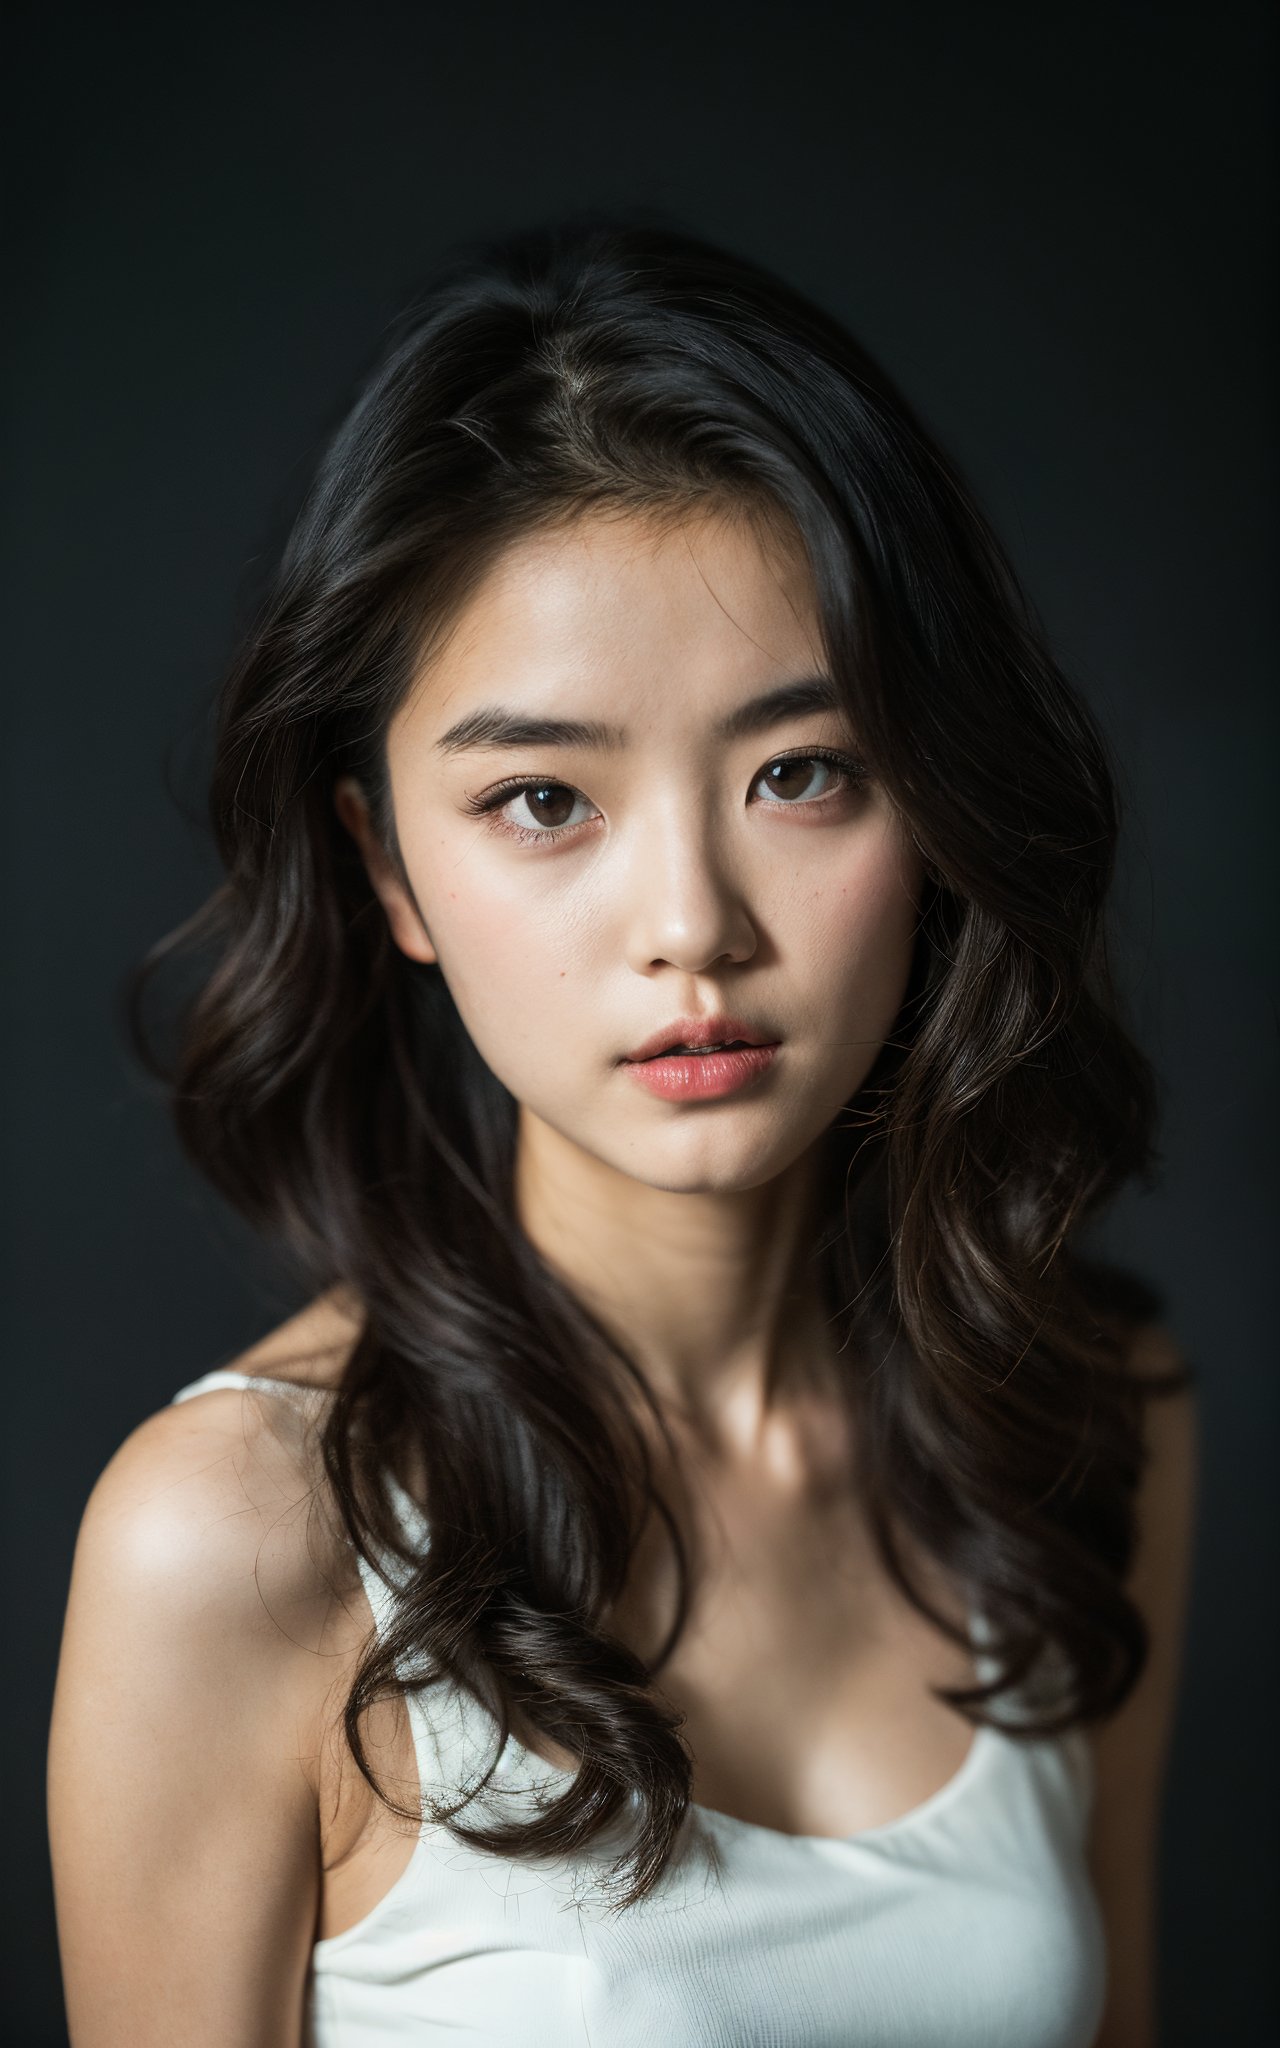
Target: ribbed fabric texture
970 1922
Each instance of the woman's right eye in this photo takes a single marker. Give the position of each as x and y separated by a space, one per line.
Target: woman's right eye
546 800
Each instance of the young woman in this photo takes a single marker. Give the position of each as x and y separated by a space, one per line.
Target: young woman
708 1565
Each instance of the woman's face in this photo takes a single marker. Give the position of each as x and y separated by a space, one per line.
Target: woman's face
674 871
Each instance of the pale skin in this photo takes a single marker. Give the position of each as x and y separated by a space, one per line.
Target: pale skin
682 887
232 1830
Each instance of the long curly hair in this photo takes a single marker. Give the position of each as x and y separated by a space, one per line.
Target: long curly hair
326 1086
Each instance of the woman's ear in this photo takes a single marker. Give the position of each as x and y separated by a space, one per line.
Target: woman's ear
407 928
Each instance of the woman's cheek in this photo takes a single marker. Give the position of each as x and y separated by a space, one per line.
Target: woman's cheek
866 914
868 940
507 972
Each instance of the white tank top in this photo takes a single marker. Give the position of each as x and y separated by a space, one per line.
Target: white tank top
969 1922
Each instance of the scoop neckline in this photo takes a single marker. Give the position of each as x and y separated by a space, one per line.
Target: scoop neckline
529 1763
924 1809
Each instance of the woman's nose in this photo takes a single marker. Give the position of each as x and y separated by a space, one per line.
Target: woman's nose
686 901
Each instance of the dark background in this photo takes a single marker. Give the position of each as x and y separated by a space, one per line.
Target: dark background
1050 224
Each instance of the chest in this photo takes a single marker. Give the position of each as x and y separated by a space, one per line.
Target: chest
804 1674
802 1677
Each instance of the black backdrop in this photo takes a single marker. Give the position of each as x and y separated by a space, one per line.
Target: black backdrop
1052 226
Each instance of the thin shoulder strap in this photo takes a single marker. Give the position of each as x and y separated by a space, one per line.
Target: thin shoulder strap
223 1376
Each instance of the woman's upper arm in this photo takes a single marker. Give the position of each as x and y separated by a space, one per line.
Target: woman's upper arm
1131 1749
183 1808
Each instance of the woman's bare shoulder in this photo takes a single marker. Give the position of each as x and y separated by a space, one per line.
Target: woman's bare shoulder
210 1627
237 1470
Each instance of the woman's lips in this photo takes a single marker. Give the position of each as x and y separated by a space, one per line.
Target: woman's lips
701 1076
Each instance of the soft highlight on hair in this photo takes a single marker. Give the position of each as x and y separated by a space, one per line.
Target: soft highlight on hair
326 1086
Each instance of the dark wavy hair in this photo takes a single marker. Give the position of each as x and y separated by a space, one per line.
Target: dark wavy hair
325 1085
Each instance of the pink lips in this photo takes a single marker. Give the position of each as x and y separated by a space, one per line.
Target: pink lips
701 1076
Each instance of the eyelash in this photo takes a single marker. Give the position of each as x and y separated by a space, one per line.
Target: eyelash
854 770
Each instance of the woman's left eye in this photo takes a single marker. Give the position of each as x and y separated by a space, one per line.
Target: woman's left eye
789 784
792 784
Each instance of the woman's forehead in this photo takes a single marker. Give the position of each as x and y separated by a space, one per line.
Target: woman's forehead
613 608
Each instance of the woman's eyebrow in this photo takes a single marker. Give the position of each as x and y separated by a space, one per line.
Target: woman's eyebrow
492 725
